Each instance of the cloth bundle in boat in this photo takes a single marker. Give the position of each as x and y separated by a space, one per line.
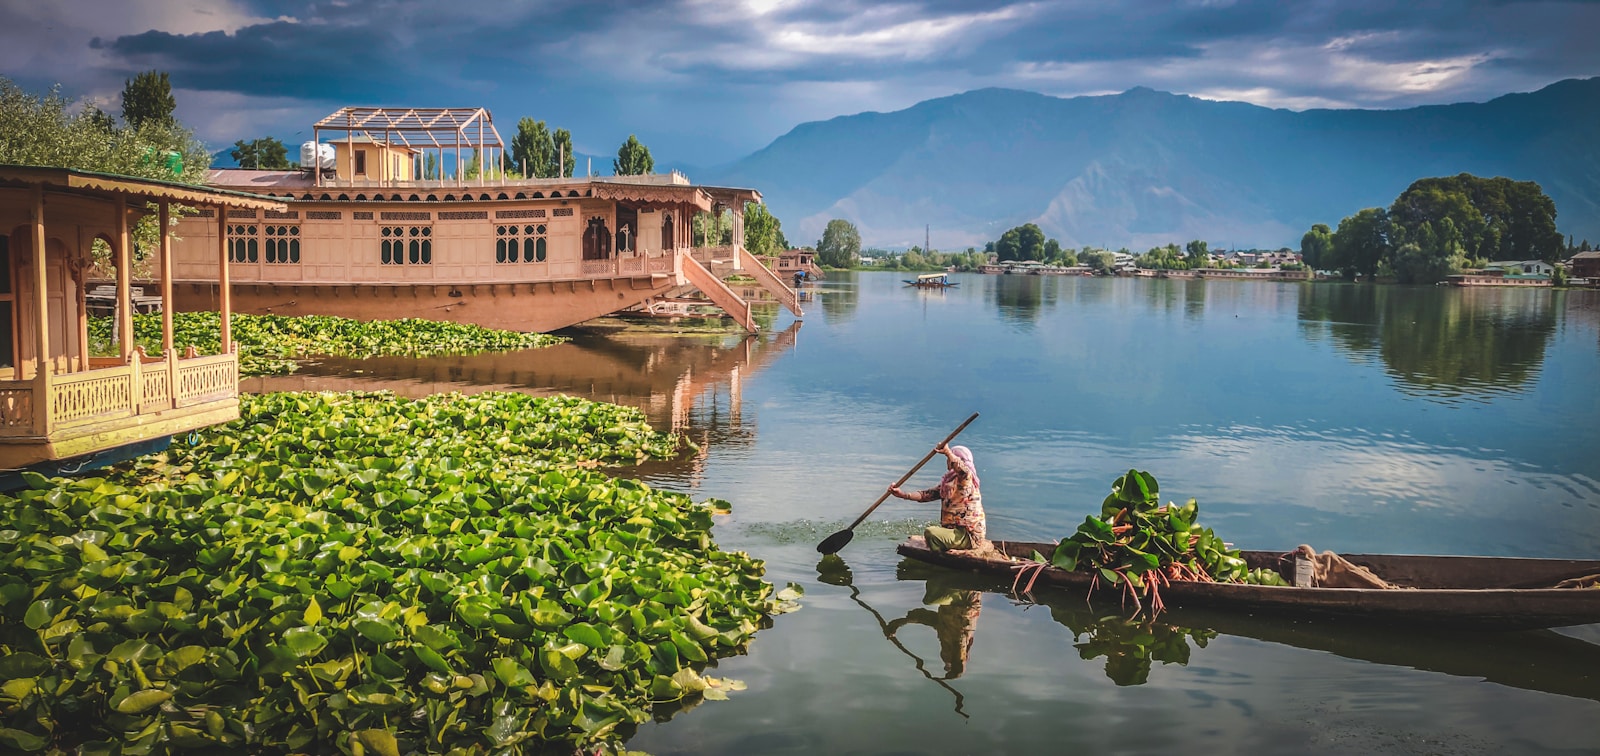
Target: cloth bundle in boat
1329 570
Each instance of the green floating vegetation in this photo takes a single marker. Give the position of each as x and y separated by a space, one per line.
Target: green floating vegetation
269 344
366 574
1137 544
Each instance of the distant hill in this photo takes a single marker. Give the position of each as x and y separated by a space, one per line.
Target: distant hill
1144 167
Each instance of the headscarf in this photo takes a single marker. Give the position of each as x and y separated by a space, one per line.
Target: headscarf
962 456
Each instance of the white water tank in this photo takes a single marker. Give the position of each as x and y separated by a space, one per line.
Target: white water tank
316 154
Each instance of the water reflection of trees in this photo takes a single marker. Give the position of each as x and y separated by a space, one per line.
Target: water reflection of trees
1021 298
1444 342
839 296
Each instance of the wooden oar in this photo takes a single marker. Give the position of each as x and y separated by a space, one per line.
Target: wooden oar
833 543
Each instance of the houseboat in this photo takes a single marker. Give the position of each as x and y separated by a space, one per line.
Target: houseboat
399 215
62 408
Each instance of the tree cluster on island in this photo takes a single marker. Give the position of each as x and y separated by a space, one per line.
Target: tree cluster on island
1439 227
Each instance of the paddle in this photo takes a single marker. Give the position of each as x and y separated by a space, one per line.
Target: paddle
833 543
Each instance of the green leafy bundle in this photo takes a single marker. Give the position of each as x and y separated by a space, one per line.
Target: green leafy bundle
1138 544
367 574
268 344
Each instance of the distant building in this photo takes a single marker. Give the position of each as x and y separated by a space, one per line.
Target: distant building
1585 265
1522 268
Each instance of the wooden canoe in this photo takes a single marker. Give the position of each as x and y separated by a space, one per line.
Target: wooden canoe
1481 592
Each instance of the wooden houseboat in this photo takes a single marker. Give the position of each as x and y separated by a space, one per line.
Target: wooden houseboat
57 401
392 221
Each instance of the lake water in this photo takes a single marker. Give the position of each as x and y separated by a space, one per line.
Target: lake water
1352 418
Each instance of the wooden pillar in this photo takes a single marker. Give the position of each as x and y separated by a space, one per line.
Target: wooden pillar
224 284
41 296
124 282
167 346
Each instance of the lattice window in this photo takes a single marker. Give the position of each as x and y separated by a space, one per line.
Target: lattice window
242 214
407 245
362 215
563 212
509 214
283 244
463 215
324 215
405 215
286 215
243 244
207 212
515 243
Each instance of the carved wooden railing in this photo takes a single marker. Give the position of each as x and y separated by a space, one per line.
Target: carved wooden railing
599 267
631 264
203 379
92 395
662 264
16 408
155 388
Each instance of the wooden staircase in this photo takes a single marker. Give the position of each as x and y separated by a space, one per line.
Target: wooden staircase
719 293
751 266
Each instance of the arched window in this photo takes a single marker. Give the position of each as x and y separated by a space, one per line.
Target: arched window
597 240
666 232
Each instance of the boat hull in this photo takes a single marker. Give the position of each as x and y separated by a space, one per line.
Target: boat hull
1482 592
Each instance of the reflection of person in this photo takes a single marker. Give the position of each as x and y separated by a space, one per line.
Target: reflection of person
955 622
961 522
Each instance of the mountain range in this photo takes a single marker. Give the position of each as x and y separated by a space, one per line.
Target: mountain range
1145 168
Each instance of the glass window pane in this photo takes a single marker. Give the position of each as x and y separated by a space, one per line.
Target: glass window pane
252 248
427 252
416 252
540 255
294 251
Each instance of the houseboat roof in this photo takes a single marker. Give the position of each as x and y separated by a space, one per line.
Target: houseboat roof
658 188
111 184
931 276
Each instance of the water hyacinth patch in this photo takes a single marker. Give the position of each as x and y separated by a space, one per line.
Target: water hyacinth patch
268 344
367 574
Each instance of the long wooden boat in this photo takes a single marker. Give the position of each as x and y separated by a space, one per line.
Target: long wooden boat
1481 592
932 281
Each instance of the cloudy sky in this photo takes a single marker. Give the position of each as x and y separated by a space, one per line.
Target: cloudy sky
704 82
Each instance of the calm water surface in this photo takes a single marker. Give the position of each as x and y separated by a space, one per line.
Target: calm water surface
1389 419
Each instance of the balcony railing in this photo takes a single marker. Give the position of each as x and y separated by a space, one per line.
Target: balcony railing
146 386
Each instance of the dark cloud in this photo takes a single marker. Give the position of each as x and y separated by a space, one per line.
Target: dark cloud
711 80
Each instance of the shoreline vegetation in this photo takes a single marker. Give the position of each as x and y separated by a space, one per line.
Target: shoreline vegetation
270 344
374 574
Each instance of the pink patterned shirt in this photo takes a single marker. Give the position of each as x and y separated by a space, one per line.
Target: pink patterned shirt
963 504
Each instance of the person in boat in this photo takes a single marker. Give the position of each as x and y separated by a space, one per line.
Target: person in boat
961 522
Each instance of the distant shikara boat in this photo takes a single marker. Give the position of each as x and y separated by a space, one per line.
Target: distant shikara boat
932 281
1479 592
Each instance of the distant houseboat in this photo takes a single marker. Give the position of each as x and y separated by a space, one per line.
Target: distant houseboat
406 216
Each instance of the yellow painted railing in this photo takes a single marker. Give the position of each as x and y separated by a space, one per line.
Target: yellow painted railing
111 393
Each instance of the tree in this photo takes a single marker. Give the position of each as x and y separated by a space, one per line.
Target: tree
266 152
50 130
563 161
1100 261
1052 249
1199 253
1361 242
532 150
1025 242
1498 218
761 232
1316 247
147 98
840 244
633 159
